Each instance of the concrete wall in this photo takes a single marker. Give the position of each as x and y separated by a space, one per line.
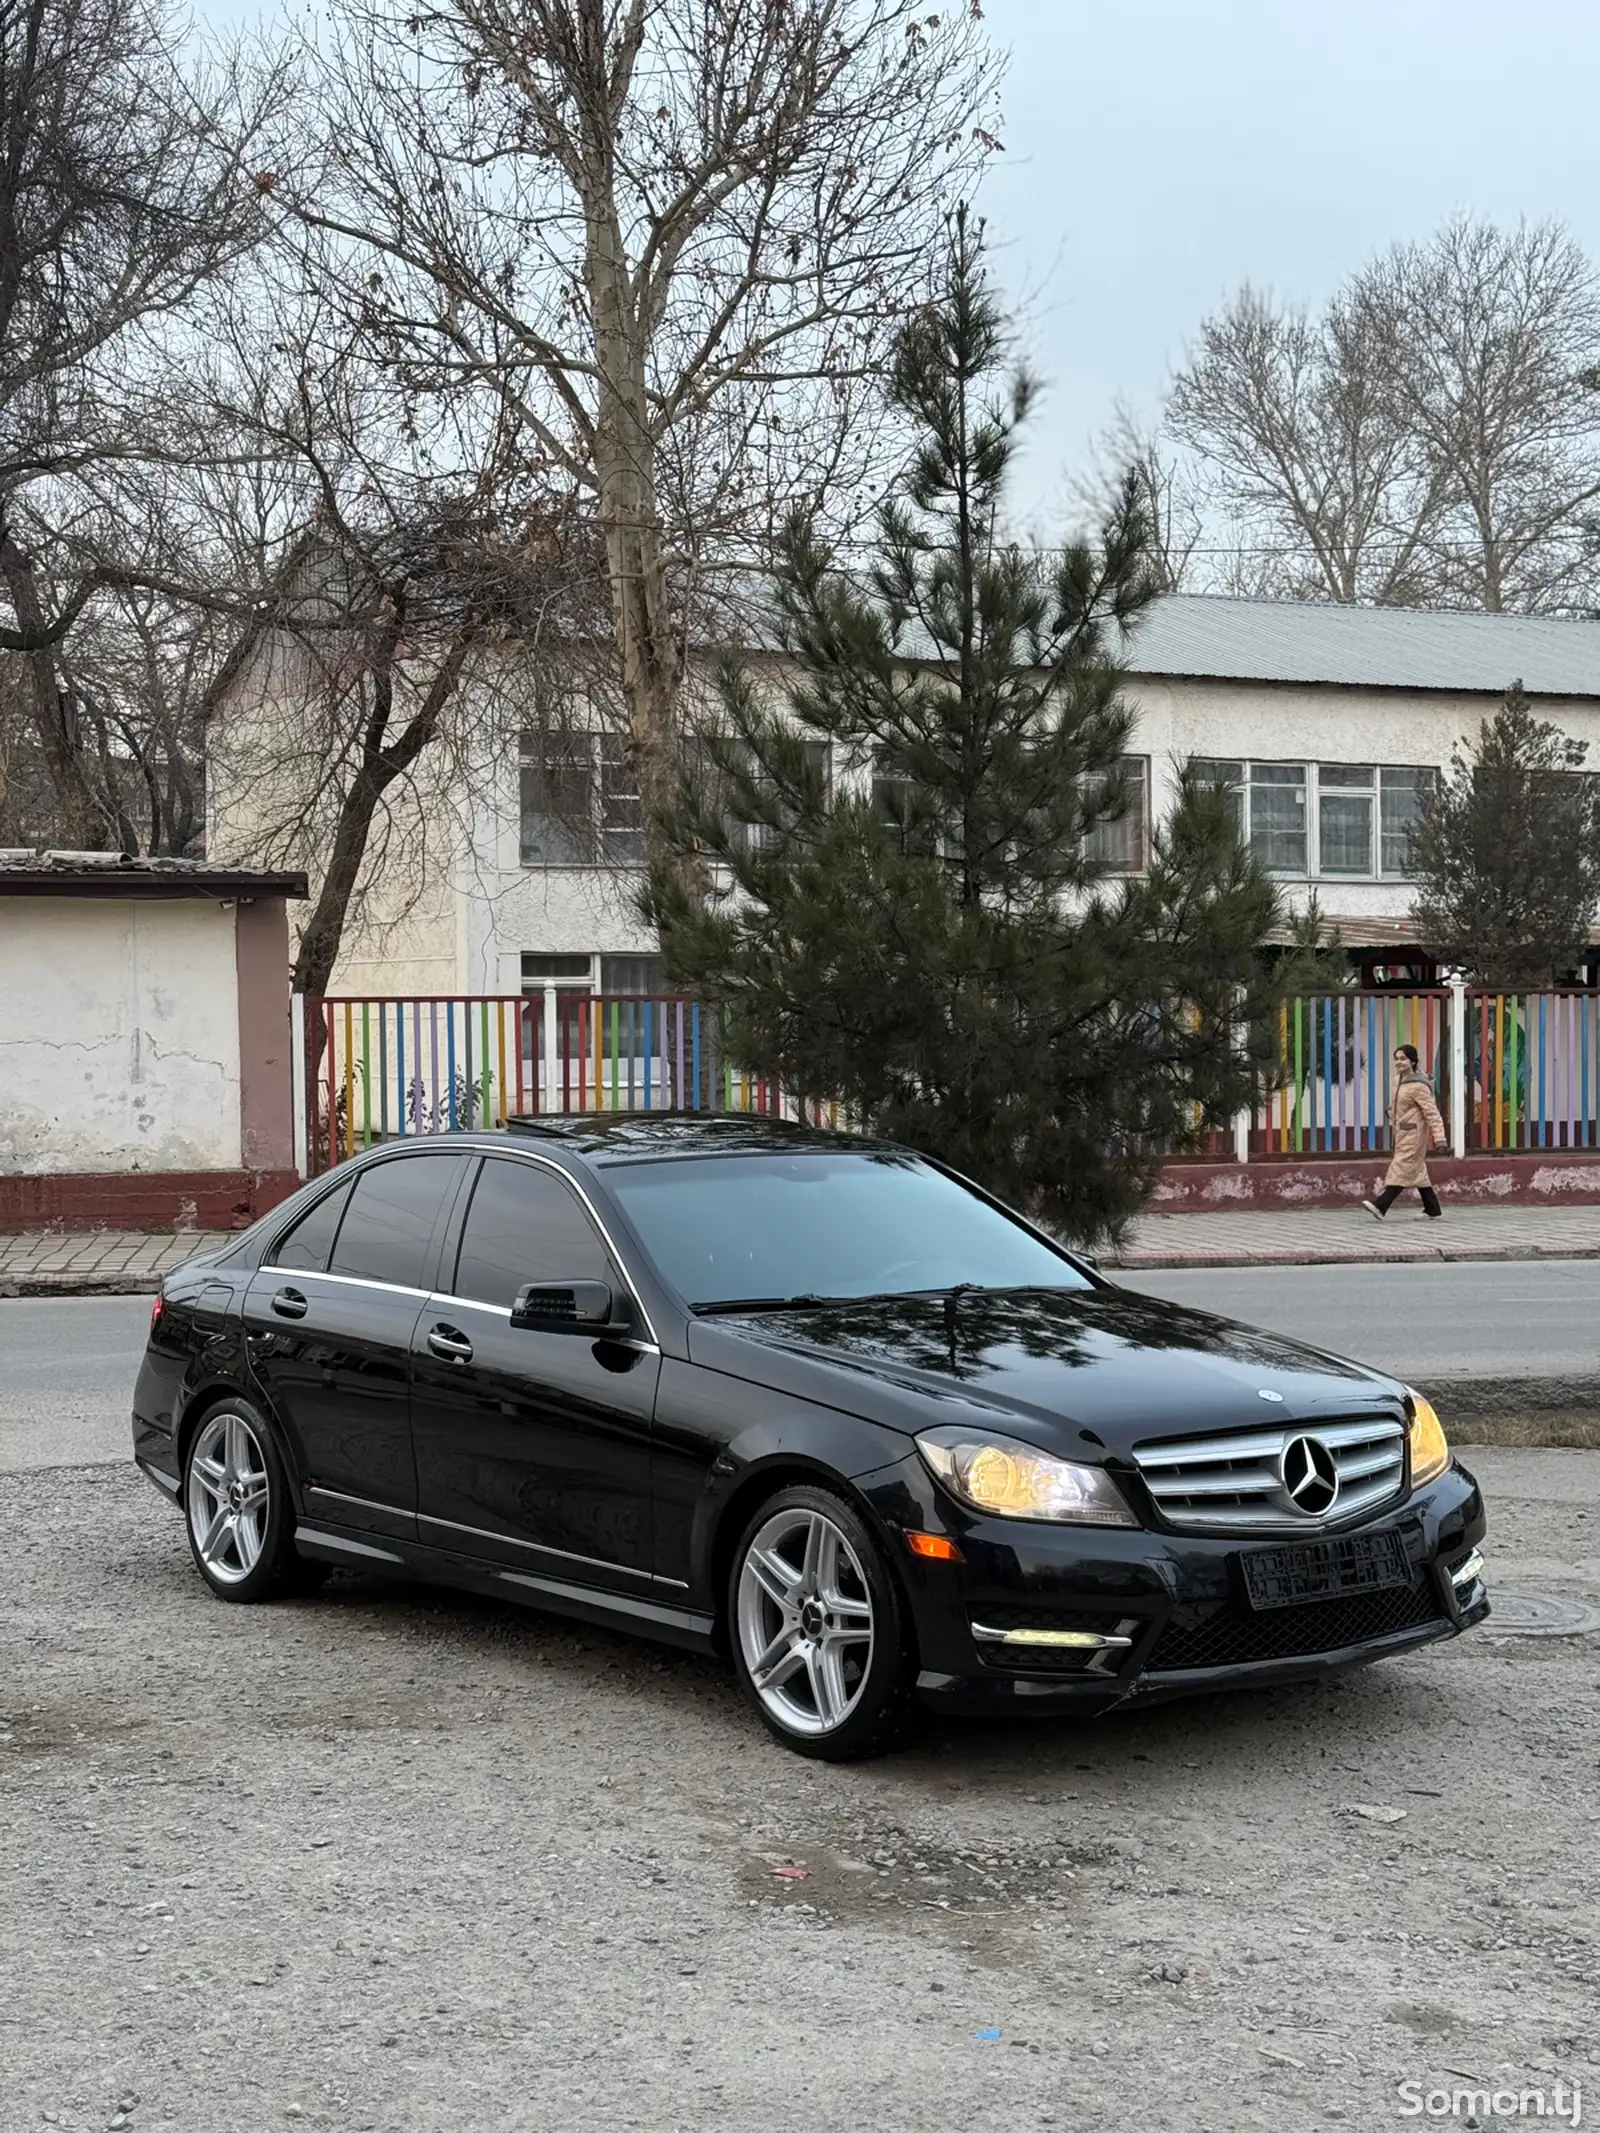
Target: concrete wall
119 1036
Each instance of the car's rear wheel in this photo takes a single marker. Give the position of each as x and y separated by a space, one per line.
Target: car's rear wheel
819 1627
237 1508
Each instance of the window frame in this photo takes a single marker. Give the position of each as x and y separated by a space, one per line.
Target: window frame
337 1187
436 1234
595 756
1137 769
450 1260
1241 789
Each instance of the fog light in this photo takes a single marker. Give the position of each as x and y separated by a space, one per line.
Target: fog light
1467 1572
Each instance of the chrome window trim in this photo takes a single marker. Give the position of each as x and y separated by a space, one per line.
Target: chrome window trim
543 1162
592 1562
354 1281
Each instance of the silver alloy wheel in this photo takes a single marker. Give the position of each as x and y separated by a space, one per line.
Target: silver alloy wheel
228 1497
805 1621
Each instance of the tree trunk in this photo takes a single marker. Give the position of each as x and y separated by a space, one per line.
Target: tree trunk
648 656
380 765
84 820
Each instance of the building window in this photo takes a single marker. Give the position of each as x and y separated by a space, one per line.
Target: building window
1278 816
1121 845
1344 818
1401 794
556 794
579 801
572 973
608 974
621 809
750 837
633 974
1342 821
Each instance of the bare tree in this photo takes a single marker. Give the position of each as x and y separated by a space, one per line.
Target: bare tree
669 239
124 188
1431 440
1488 341
422 575
1163 489
1295 422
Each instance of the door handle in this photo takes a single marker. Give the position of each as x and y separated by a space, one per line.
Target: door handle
289 1303
449 1345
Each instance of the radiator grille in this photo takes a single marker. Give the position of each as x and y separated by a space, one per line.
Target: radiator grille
1237 1483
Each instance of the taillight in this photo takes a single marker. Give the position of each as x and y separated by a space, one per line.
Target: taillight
156 1310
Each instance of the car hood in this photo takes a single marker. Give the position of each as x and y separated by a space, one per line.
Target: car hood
1061 1369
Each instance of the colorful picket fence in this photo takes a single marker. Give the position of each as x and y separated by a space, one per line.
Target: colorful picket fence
1532 1063
379 1069
1335 1073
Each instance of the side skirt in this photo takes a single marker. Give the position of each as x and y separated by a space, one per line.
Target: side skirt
682 1626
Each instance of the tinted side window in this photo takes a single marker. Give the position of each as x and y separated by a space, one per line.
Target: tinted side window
308 1244
525 1225
384 1236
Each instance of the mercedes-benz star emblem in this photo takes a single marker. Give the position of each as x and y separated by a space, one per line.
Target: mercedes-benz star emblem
1310 1478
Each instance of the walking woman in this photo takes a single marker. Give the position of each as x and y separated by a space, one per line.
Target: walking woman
1414 1116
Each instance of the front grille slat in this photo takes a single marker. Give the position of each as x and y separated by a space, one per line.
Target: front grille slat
1236 1637
1234 1483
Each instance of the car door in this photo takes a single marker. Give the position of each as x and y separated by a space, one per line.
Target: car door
328 1325
532 1445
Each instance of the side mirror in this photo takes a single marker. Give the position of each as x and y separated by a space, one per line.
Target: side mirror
570 1306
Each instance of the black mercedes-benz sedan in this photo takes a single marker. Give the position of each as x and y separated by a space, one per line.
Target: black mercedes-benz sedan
806 1399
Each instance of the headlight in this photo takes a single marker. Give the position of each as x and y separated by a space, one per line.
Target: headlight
1014 1481
1430 1454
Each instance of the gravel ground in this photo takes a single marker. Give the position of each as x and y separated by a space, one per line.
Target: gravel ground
415 1863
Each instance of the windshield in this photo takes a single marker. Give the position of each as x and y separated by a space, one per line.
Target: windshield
834 1224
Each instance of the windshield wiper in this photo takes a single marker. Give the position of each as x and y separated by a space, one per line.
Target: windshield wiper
810 1301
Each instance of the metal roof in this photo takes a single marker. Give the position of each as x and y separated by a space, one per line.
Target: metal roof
1196 634
106 874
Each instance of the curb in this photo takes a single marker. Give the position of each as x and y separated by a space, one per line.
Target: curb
17 1285
1141 1260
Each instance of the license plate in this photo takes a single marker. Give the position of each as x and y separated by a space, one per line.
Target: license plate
1324 1570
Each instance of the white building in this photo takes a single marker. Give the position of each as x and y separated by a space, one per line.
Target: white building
1326 720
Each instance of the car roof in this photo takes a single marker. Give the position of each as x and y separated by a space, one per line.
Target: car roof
618 1136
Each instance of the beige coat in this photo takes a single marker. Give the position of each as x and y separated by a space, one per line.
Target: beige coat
1415 1118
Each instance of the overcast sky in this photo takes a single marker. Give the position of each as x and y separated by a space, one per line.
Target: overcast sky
1159 152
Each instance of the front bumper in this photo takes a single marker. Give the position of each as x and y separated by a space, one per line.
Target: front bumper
1170 1606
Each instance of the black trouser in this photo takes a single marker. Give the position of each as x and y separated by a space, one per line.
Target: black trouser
1391 1193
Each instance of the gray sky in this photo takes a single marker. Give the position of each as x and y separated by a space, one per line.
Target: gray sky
1159 152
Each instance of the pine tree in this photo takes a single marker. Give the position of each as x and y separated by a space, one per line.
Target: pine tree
1506 853
926 938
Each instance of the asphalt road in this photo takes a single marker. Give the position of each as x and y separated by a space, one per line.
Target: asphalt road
67 1363
1495 1319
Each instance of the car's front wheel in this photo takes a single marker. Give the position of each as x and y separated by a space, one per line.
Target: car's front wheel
237 1509
820 1637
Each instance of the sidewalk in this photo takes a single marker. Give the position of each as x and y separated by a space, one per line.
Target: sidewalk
123 1262
114 1262
1336 1236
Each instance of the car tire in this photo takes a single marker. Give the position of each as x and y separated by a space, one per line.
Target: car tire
819 1628
238 1509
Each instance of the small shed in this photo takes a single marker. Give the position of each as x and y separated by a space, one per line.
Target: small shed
145 1042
